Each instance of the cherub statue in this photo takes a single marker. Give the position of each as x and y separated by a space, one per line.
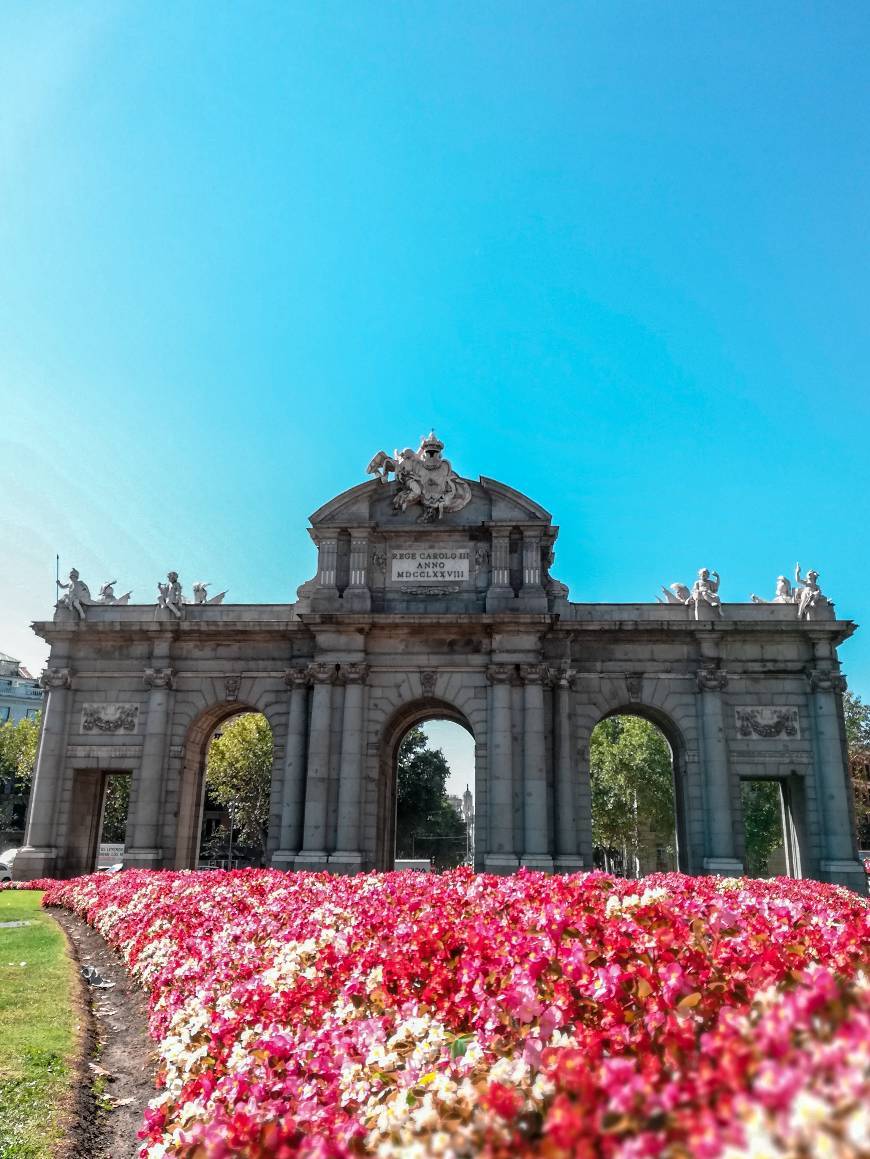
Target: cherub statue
170 596
807 593
200 594
705 589
76 595
784 593
107 594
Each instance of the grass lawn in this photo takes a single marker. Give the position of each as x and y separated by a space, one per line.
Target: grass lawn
37 1029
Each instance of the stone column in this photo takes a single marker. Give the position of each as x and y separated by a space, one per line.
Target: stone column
568 859
348 856
721 855
500 856
314 854
357 596
839 862
143 825
327 563
38 856
536 853
293 785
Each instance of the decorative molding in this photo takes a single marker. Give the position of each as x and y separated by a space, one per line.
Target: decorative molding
823 680
444 590
711 679
110 718
481 556
767 721
56 678
428 680
159 677
232 684
379 559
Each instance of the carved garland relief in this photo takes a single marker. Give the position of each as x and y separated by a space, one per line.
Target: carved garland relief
110 718
767 722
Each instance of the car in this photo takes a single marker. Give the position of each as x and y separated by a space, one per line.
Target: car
5 871
8 855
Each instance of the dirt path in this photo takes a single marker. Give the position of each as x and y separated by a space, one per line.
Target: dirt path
121 1059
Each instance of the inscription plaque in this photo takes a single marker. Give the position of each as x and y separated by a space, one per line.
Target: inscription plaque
430 565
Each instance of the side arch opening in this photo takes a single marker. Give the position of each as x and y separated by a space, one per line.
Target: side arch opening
637 781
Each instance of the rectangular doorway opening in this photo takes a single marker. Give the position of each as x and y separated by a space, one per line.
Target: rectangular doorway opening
769 838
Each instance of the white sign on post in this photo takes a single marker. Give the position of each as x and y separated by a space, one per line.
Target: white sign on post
444 565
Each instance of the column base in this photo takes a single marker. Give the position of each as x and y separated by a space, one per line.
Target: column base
540 861
343 862
283 859
569 865
848 873
312 860
723 866
143 859
500 863
32 861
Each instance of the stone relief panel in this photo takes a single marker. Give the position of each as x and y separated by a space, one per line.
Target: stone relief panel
110 718
767 723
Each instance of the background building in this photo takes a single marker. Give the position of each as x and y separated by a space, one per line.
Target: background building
20 694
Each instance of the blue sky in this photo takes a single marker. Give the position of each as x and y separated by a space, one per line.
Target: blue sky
616 254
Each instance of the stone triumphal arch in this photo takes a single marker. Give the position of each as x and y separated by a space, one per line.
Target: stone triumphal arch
433 596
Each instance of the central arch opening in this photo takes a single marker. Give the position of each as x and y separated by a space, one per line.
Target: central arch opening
236 790
632 770
427 820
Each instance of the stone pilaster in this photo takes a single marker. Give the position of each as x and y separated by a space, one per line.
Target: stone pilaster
38 855
357 595
500 593
536 852
314 853
348 857
720 853
839 862
293 786
568 858
143 826
532 592
500 856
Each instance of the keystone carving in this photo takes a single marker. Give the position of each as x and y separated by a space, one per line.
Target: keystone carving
428 680
159 677
711 679
634 685
56 678
232 684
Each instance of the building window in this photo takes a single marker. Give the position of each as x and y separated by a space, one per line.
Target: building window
5 713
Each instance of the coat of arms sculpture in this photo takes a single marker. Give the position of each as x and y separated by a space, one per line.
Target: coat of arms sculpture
423 477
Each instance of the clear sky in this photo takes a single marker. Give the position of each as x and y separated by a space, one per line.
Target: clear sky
616 254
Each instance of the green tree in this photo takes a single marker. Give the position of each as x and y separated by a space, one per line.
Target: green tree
18 744
762 824
857 716
427 825
115 809
238 776
632 780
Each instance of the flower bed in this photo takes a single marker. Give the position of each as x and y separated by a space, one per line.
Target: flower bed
464 1015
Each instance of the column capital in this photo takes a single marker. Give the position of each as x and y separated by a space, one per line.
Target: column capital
711 678
534 673
356 672
501 673
159 677
321 672
56 678
824 680
296 677
562 676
